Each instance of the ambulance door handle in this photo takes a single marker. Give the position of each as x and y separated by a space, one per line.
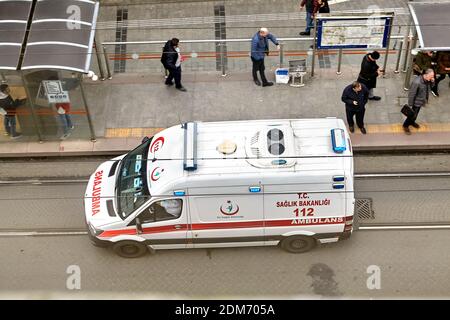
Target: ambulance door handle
178 226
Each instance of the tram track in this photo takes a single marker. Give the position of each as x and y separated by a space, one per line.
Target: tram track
359 225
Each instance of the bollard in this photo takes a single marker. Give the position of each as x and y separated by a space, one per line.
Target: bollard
338 72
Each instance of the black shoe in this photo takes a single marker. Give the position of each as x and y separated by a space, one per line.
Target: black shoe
416 125
304 33
363 130
267 84
376 98
435 93
182 89
257 82
407 131
352 129
168 83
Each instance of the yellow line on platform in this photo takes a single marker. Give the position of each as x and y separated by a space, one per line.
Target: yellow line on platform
371 128
131 132
397 128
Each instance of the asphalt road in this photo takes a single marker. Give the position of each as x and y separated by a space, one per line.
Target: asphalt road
411 263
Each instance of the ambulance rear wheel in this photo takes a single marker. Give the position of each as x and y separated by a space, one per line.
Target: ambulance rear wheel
129 249
298 244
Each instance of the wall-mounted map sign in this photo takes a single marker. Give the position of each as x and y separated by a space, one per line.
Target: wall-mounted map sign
353 32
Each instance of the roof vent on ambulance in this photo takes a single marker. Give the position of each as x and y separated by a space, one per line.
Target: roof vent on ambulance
227 147
271 147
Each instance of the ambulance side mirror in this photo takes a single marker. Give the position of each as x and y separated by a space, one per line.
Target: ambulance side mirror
145 139
139 225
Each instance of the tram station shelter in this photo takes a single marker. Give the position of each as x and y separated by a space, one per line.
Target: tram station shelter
431 28
45 48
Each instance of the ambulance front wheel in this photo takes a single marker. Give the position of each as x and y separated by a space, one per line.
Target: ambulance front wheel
298 244
129 249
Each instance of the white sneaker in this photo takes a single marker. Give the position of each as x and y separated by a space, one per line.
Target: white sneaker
16 136
72 127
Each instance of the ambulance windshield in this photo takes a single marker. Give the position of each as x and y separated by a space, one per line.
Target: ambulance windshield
131 184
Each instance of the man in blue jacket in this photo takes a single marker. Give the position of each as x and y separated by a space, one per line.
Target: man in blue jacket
260 47
355 97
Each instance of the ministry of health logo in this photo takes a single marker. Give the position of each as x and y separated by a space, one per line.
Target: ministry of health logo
229 208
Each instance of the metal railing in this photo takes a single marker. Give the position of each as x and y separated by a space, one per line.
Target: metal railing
222 55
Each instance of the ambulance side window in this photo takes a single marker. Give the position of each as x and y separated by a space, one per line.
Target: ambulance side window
167 209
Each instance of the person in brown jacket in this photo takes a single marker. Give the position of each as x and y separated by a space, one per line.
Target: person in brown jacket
442 70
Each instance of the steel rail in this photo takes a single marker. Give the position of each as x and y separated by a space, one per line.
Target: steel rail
357 176
6 233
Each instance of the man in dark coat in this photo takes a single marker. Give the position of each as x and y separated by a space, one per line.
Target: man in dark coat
355 98
418 97
171 60
369 73
259 49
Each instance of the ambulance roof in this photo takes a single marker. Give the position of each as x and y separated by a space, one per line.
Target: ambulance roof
261 147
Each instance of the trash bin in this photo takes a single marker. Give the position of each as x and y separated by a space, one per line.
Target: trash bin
282 75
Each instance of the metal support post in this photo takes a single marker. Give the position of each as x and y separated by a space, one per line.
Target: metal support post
314 48
30 105
281 55
338 72
222 59
108 69
99 61
88 114
2 75
399 57
387 45
410 58
407 53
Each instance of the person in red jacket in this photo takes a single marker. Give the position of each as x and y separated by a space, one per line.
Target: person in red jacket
63 110
312 7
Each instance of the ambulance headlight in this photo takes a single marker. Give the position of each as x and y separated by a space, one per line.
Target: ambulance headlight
94 231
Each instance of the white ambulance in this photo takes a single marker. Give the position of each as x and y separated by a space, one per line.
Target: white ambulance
226 184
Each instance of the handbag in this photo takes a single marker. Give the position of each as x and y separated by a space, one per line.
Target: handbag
407 111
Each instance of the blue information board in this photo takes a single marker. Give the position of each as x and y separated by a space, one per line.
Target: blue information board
353 32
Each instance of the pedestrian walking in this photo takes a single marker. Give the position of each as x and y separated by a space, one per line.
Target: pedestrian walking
442 70
424 60
355 98
369 73
259 49
171 59
418 97
9 106
311 6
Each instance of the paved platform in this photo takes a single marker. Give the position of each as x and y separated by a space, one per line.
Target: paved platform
132 106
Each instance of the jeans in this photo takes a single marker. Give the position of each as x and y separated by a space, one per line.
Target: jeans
258 65
175 74
66 122
309 21
10 125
